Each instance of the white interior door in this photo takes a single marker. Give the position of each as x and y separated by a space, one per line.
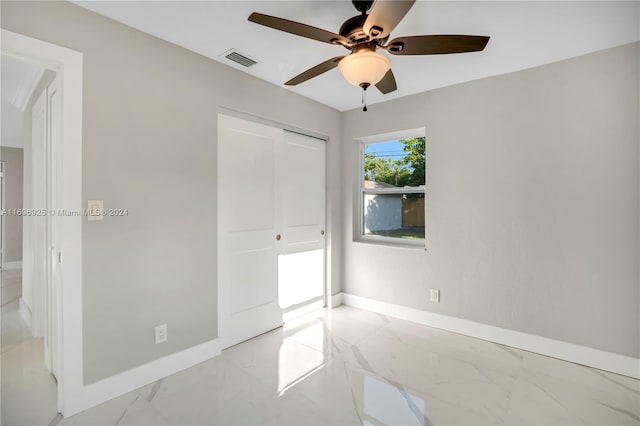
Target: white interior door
41 274
248 213
301 262
34 252
53 277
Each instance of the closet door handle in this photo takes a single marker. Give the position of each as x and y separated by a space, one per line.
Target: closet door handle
322 232
278 237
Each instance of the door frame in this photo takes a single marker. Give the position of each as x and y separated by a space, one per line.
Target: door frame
66 171
327 297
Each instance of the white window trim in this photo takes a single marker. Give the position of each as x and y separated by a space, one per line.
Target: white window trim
358 223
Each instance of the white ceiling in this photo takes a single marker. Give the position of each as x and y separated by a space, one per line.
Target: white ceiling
18 81
523 35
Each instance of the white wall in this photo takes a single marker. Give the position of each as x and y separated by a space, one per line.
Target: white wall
29 268
149 145
532 202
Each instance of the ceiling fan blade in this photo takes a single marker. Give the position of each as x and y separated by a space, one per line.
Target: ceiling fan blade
384 16
387 84
436 44
315 71
297 28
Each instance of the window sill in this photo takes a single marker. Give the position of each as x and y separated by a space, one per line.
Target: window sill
391 242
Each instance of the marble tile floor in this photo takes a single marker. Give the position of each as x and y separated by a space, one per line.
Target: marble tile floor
14 330
347 366
27 389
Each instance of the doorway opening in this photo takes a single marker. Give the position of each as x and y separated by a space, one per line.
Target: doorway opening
52 240
30 273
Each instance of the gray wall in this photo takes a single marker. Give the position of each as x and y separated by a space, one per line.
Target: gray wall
13 170
532 201
149 145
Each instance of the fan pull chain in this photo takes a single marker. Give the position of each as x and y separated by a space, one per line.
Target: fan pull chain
364 99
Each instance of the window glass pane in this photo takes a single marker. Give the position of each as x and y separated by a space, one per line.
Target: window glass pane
394 215
394 164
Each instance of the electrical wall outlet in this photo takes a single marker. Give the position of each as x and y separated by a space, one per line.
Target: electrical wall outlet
161 333
435 295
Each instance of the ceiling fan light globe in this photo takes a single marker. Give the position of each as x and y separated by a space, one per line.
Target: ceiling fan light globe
364 67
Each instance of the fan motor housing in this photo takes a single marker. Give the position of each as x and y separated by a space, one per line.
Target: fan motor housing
352 29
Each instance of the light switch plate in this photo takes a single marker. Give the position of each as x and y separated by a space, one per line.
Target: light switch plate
95 209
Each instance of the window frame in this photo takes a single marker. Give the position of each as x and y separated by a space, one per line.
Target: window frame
359 195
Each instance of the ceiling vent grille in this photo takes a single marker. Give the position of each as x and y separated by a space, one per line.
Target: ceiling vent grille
239 58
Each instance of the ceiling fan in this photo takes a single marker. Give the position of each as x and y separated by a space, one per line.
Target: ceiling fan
363 35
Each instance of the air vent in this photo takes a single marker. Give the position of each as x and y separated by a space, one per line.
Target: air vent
239 58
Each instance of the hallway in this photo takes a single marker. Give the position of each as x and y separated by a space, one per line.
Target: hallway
28 389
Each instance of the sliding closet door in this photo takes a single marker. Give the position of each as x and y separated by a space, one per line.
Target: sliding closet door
248 215
271 226
301 262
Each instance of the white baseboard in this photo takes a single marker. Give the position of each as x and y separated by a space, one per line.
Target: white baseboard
25 313
104 390
336 300
602 360
12 265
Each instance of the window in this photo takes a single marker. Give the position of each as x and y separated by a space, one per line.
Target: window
392 189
